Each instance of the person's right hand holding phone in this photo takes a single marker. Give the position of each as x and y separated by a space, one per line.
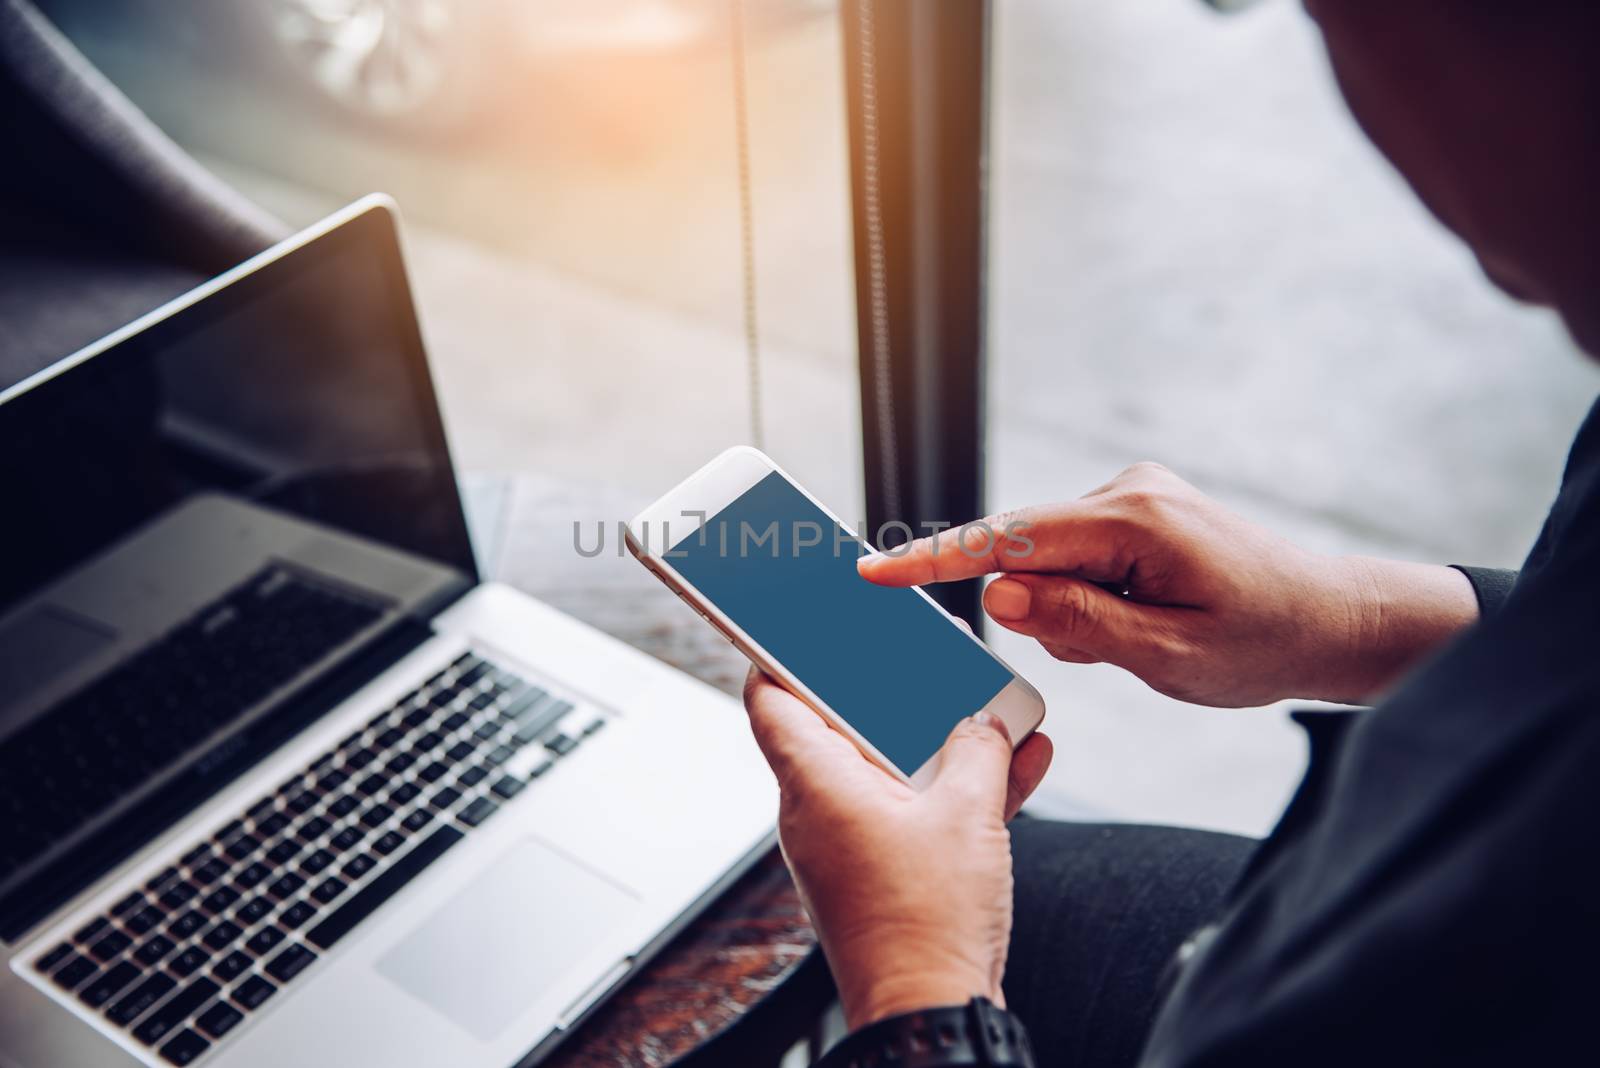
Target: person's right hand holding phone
1151 575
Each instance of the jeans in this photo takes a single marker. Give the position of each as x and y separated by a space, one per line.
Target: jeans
1100 911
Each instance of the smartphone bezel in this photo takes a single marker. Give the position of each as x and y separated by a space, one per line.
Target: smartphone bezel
650 537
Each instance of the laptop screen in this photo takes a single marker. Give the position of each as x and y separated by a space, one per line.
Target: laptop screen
203 523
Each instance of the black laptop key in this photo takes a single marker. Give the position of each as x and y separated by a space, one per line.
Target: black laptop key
160 880
127 904
283 852
108 984
188 962
454 721
405 793
196 856
286 886
184 1047
253 991
460 751
523 704
358 866
416 820
372 785
138 1002
330 889
219 1019
473 776
179 1007
477 812
389 738
265 940
331 780
529 732
232 966
290 963
317 862
426 743
153 949
416 717
254 909
223 935
360 758
343 806
144 920
244 846
178 895
500 754
296 915
508 787
219 900
302 802
445 798
72 974
209 872
400 764
91 930
481 701
313 828
561 745
345 918
228 830
262 809
388 842
433 772
54 957
486 730
476 669
377 815
251 875
110 946
187 924
272 825
346 840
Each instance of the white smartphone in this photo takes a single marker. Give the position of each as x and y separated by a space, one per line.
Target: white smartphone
771 568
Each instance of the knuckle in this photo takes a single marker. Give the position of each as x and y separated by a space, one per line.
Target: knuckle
1141 500
1071 608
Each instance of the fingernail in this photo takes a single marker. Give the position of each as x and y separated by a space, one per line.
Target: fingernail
993 722
1007 599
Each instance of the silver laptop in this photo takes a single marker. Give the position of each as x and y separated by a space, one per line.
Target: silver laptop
282 782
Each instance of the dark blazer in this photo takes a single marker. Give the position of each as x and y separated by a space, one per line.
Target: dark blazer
1432 893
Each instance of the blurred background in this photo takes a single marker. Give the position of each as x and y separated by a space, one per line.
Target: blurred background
1194 257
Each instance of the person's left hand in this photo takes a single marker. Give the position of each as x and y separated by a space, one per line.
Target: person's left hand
910 892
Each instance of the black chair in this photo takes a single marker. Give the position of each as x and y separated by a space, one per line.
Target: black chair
102 216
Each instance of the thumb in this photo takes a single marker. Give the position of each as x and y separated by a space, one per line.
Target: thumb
1071 613
975 763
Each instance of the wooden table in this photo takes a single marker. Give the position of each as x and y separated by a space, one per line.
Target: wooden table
749 960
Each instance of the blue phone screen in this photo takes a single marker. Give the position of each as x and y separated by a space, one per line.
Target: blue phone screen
888 662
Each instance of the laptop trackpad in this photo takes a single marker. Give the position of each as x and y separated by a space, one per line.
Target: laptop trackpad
495 947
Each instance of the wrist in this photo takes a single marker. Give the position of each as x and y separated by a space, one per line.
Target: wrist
1394 613
900 992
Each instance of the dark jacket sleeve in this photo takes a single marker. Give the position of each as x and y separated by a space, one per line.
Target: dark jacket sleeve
1492 586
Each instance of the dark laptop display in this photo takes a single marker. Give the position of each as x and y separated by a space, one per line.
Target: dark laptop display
208 526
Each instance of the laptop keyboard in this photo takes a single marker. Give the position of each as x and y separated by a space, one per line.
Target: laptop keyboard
101 744
182 961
